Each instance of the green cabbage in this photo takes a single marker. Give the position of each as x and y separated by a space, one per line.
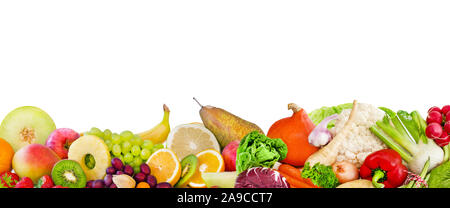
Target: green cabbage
258 150
319 114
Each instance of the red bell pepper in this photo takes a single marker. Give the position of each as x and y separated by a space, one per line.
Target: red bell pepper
384 168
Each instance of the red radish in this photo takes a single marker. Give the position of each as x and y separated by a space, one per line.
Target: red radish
447 127
447 116
445 109
443 140
434 108
433 131
434 117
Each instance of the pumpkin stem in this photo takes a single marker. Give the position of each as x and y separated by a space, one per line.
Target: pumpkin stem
294 107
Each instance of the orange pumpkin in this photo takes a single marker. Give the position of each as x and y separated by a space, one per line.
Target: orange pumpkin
294 131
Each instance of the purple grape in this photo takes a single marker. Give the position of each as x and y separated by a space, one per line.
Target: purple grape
151 180
145 169
113 186
163 185
117 163
108 180
128 170
110 170
89 184
119 172
139 177
98 184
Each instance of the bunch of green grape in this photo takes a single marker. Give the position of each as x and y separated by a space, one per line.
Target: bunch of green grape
128 147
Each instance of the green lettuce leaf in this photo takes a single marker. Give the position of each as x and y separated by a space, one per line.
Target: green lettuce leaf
440 176
258 150
319 114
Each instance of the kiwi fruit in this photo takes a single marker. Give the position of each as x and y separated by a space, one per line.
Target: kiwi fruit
68 173
26 125
189 166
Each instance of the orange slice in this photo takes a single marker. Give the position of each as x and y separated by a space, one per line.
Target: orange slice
165 166
209 161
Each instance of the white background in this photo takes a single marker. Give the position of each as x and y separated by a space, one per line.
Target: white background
112 64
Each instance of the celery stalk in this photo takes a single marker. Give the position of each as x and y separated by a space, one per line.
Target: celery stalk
398 124
422 125
397 136
446 149
391 143
421 175
426 180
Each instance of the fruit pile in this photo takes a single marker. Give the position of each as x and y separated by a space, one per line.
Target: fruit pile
119 175
128 147
34 153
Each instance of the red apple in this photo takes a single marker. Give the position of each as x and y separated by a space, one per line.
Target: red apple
60 141
229 155
34 161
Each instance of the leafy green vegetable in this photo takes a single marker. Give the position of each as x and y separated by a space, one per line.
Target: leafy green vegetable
415 125
319 114
440 176
321 175
258 150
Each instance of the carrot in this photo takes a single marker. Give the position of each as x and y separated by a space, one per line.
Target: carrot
295 183
295 173
289 170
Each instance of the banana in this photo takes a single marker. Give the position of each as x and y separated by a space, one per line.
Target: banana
159 133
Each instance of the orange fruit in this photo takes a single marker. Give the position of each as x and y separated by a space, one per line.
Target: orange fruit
189 139
143 185
209 161
6 156
165 166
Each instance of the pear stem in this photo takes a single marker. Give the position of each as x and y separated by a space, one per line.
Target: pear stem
198 102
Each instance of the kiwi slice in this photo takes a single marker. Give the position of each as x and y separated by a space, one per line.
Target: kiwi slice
189 165
26 125
68 173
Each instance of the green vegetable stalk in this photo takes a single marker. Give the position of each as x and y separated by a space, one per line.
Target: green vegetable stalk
321 175
423 174
258 150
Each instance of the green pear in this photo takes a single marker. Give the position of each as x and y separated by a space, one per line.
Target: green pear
224 125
